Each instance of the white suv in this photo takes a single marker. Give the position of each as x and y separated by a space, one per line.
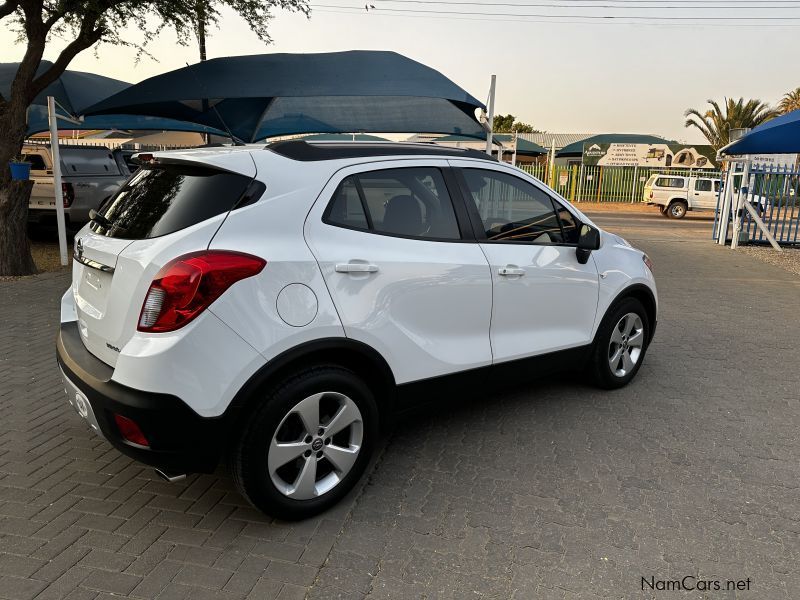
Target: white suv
272 306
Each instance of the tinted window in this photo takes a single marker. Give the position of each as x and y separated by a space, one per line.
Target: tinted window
409 202
670 182
514 210
36 160
702 185
346 208
158 201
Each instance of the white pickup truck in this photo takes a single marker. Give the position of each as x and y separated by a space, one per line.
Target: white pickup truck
89 174
675 194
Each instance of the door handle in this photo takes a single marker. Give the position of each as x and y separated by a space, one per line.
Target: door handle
511 270
356 268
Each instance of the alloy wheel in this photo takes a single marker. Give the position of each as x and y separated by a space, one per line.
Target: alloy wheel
315 446
625 347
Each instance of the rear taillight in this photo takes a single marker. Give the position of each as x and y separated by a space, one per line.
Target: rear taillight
68 192
651 194
186 286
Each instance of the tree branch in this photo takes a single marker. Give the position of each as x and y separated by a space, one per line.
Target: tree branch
8 7
87 37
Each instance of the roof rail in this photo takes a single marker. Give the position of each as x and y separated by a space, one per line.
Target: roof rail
302 150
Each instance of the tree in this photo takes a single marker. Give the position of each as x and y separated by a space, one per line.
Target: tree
507 124
716 123
790 101
83 24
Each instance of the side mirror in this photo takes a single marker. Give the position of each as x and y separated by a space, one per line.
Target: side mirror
589 240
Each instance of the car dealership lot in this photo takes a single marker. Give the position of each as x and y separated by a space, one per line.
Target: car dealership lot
558 490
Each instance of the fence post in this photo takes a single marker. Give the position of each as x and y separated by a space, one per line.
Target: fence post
599 183
635 182
572 183
580 183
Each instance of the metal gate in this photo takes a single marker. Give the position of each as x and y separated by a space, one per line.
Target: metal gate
774 192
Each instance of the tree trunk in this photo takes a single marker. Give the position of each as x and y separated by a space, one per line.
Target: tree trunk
15 248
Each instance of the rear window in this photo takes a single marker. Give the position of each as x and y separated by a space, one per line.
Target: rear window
159 201
88 161
36 160
670 182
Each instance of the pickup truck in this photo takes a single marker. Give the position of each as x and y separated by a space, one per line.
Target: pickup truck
89 176
675 194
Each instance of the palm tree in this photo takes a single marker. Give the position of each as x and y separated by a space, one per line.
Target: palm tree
790 101
716 123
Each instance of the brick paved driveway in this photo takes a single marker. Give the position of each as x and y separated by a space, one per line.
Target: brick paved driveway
558 491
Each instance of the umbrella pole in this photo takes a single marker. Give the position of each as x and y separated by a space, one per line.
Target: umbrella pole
490 116
59 192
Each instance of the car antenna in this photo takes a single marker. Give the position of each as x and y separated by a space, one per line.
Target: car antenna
234 140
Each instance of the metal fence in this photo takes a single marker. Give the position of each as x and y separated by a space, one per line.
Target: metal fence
774 192
579 183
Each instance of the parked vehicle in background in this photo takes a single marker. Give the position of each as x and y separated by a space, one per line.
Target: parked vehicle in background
272 307
89 176
675 195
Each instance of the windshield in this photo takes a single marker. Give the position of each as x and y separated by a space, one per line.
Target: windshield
161 200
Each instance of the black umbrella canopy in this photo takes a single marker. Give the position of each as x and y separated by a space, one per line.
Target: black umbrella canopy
264 95
73 90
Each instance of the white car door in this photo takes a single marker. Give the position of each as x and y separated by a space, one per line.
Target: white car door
388 239
544 300
703 195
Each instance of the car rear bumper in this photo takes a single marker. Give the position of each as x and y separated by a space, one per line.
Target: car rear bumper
46 216
180 440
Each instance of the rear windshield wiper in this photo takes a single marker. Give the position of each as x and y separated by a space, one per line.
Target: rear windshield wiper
99 219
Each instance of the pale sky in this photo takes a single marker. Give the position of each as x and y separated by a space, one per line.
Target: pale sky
598 76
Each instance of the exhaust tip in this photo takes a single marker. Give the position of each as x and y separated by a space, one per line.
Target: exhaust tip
171 477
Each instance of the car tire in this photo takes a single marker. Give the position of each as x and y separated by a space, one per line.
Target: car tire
291 473
677 209
620 344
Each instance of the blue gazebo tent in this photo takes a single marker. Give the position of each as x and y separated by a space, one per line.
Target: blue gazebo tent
780 135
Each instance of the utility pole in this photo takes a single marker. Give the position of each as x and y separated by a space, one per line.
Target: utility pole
201 28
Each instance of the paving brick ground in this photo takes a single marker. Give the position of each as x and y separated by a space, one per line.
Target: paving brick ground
555 491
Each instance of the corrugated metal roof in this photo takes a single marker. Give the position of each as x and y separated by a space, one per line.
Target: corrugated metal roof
562 139
506 140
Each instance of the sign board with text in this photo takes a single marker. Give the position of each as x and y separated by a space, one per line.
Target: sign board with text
649 155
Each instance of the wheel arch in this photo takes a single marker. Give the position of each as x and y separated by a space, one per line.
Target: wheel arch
360 358
645 295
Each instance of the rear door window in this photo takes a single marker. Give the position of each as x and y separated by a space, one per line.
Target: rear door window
408 202
159 201
702 185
